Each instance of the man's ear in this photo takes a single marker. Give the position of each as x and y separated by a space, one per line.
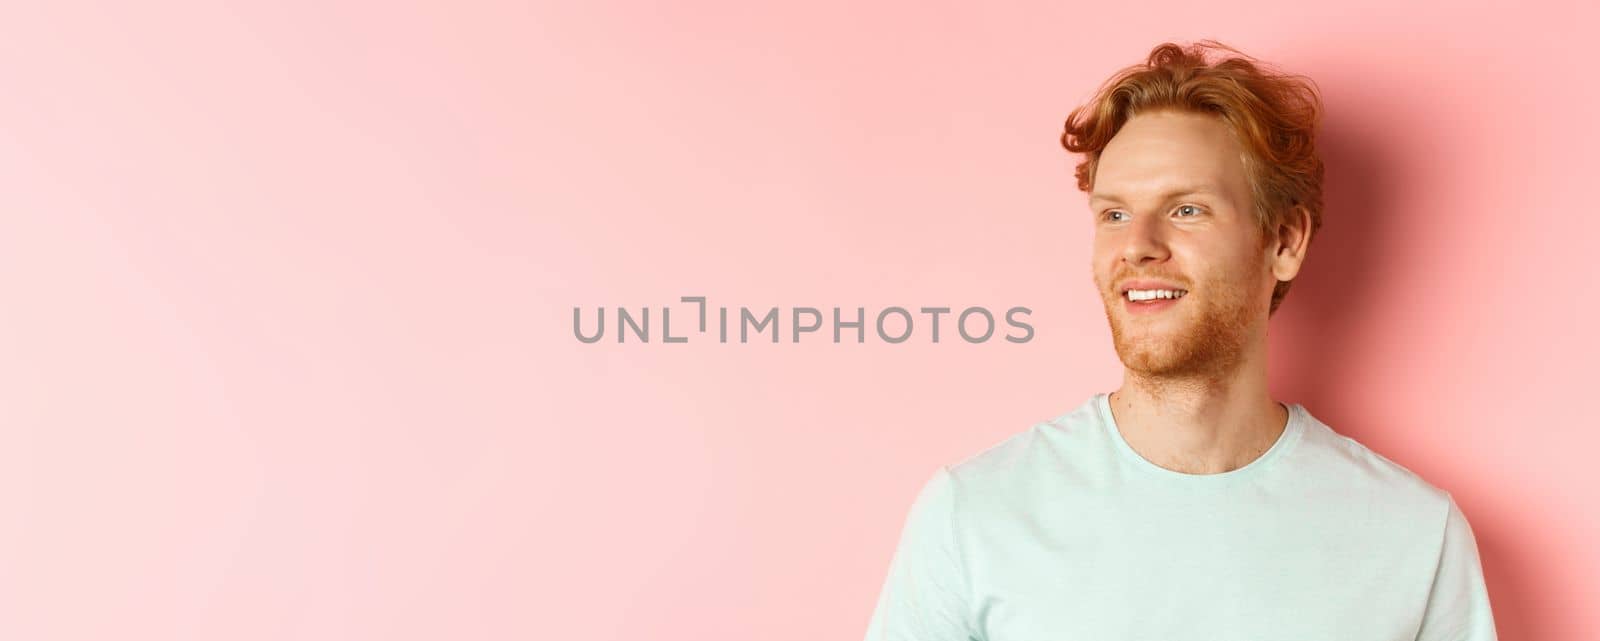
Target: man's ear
1293 236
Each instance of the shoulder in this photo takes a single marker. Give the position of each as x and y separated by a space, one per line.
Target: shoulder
1022 447
1046 454
1348 467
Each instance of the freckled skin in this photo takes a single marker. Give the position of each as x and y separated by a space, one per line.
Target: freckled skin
1209 244
1194 396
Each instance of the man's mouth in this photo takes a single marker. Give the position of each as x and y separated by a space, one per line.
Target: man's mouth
1151 295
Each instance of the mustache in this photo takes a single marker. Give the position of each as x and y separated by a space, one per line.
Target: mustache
1117 280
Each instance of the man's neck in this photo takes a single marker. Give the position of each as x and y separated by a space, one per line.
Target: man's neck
1204 424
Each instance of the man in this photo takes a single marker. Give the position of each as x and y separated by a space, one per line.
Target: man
1188 504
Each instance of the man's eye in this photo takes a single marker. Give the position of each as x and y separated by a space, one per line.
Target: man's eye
1112 215
1183 207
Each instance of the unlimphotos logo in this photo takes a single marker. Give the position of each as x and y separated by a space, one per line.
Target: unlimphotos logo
892 324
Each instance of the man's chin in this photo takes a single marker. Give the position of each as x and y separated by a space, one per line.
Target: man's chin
1142 356
1155 333
1159 348
1173 354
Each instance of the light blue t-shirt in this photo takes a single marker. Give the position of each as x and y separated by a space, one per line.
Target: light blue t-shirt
1064 533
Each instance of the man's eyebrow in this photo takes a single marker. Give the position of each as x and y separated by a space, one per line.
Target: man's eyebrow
1172 193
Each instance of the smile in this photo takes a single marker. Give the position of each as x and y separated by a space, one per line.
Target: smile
1138 295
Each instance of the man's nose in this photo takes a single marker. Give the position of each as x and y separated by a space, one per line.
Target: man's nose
1146 241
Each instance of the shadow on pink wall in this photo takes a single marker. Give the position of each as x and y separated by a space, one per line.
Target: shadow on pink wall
1326 320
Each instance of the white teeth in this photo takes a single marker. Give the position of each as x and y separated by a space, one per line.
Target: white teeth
1151 294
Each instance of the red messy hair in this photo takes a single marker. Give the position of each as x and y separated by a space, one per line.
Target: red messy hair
1273 115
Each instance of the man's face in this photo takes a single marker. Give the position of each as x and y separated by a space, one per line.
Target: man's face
1173 211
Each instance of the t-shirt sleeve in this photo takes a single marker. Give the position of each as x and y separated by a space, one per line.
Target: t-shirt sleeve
1458 605
924 597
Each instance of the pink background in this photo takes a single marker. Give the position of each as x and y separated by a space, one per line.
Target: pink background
288 289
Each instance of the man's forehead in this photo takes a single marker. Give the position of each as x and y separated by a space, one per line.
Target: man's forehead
1159 190
1166 173
1166 155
